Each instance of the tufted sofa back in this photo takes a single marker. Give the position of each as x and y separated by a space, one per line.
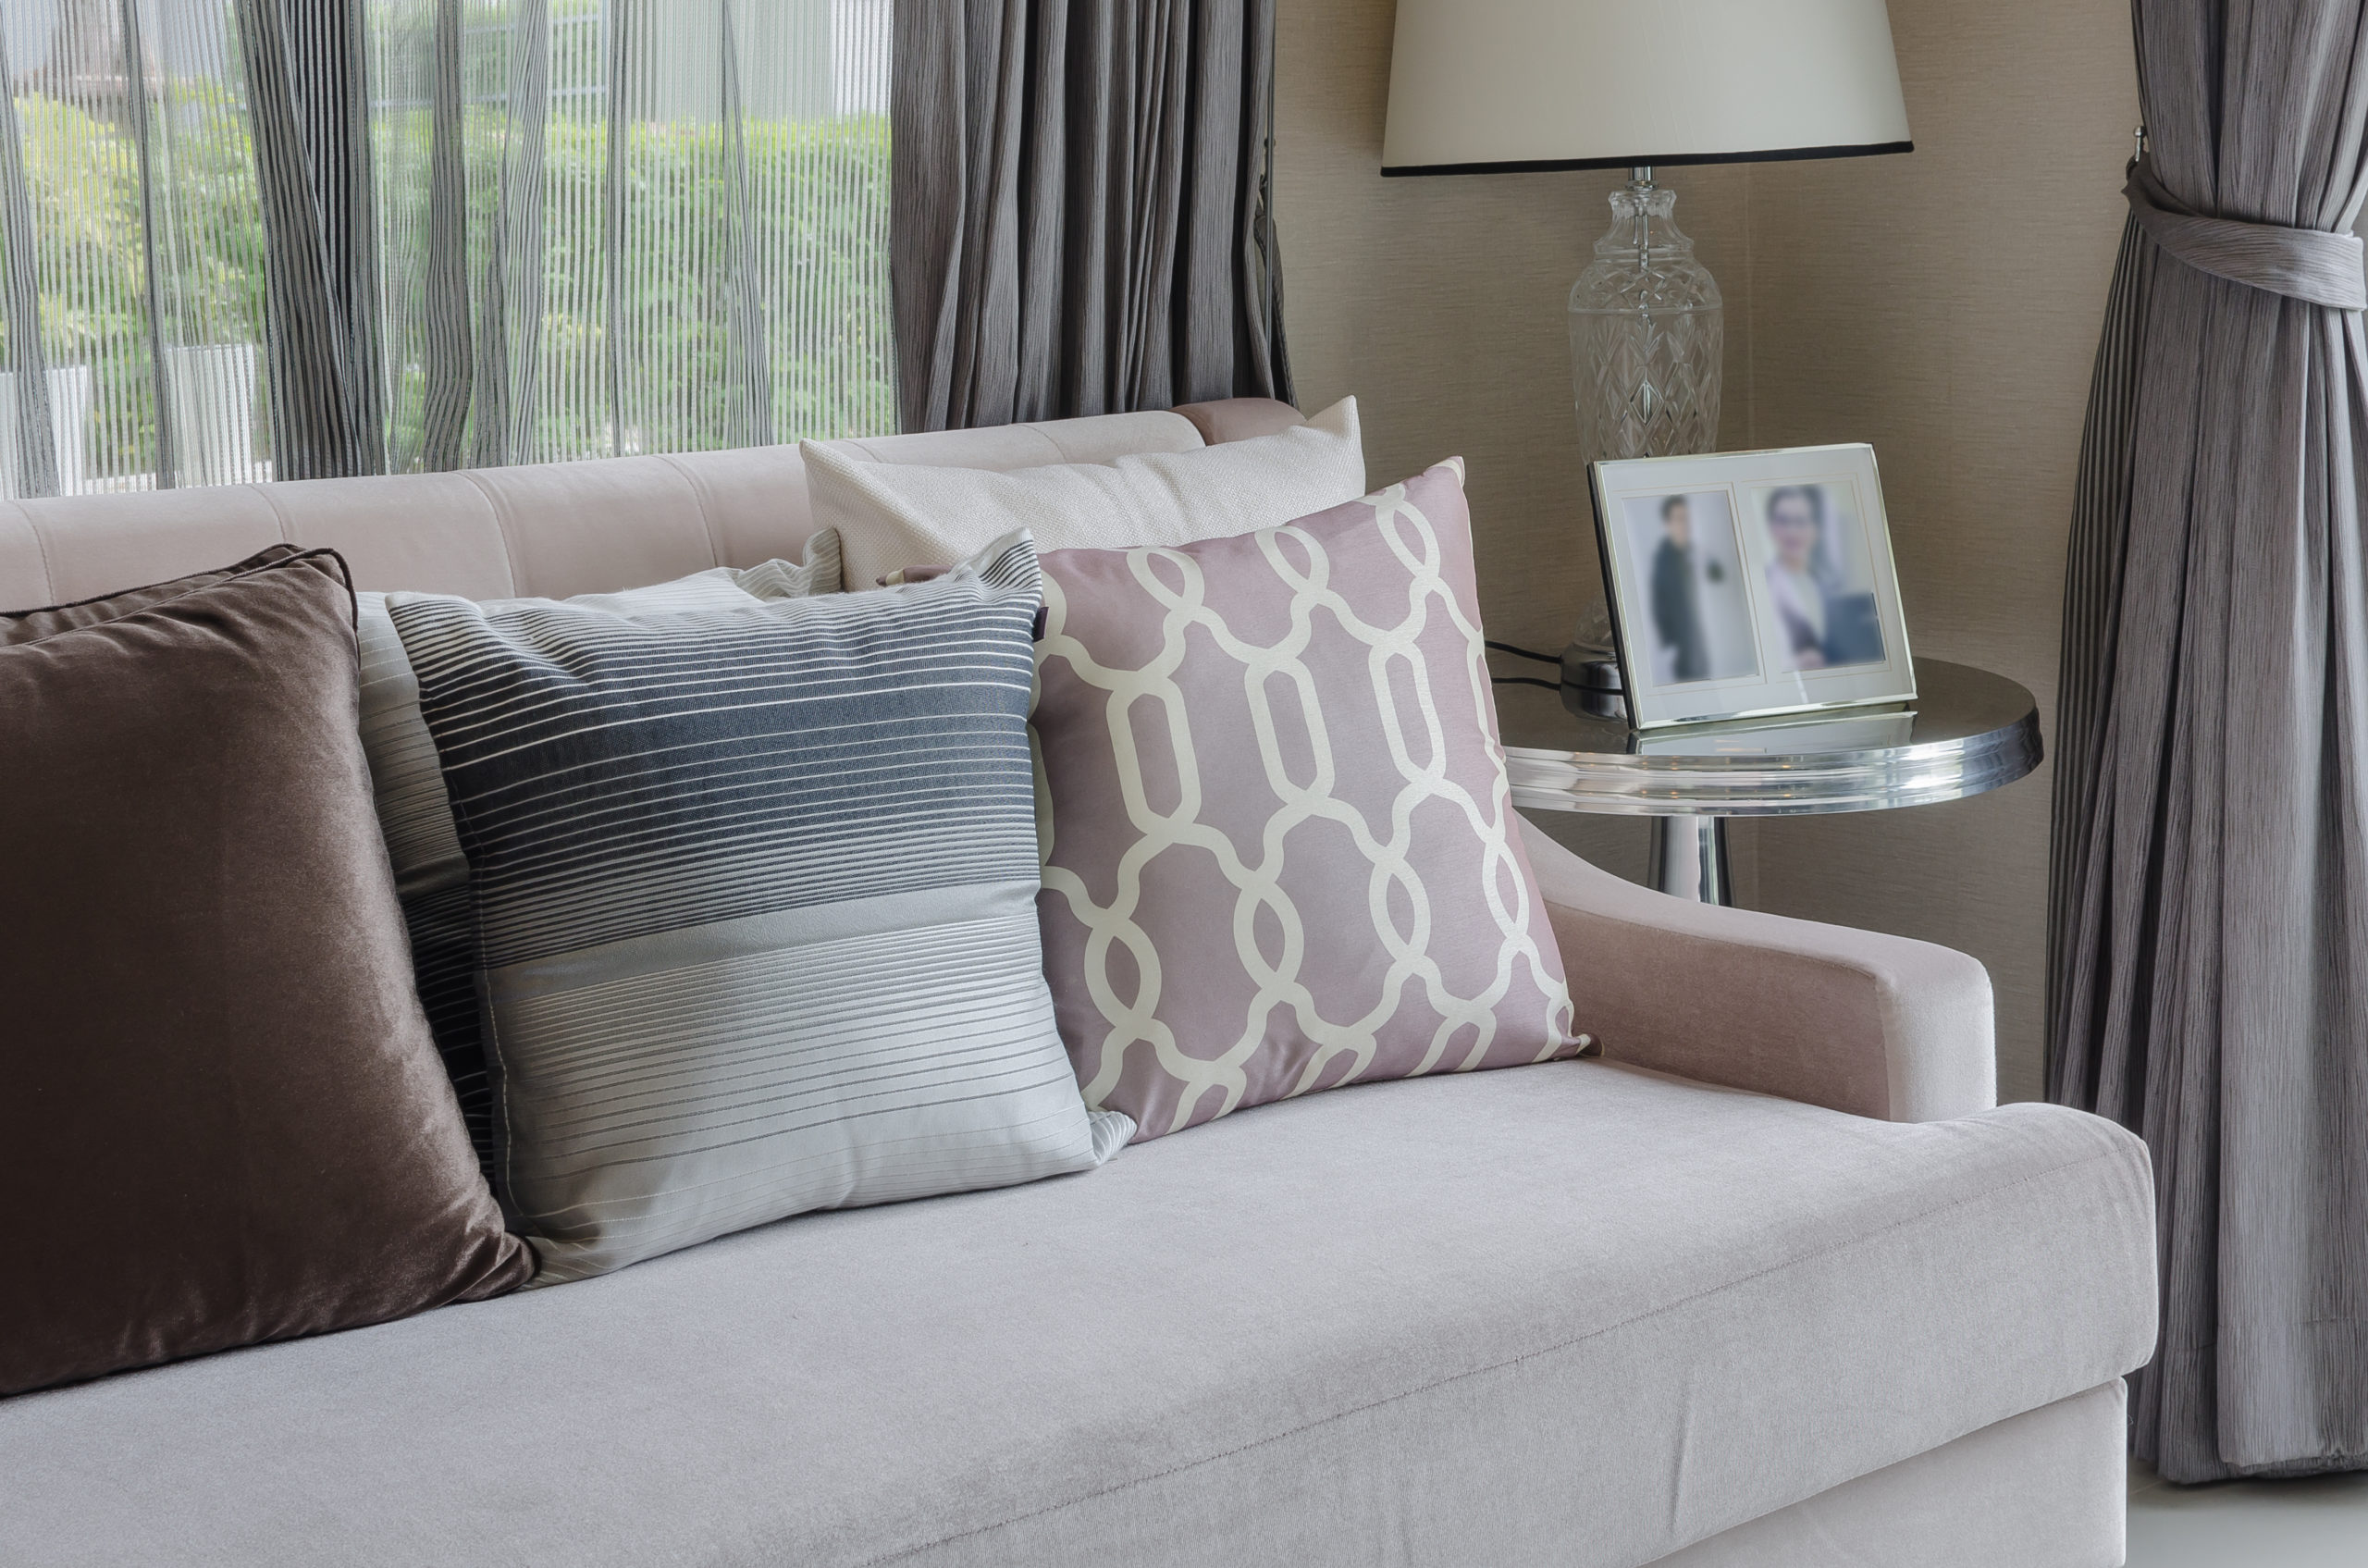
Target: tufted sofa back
551 529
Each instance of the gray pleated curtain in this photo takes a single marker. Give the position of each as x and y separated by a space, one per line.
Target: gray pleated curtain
308 113
1081 208
2208 981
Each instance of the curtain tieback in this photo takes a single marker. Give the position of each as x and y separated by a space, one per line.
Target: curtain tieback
2312 264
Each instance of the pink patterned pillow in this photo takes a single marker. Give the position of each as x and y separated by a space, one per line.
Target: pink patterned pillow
1280 853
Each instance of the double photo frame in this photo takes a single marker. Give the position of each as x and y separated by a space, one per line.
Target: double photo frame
1744 585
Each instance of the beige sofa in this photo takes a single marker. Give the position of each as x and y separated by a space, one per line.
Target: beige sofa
1770 1282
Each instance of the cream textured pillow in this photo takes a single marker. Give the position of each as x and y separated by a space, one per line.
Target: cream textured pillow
895 515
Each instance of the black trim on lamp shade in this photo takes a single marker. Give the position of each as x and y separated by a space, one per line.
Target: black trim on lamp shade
1666 160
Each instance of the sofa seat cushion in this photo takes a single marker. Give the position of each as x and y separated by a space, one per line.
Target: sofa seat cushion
1574 1313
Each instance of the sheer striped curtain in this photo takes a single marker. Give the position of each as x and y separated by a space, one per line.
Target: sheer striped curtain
630 227
256 238
131 278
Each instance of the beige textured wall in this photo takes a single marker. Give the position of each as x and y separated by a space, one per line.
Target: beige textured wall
1943 306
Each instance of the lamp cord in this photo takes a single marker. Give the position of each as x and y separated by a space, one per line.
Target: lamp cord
1525 653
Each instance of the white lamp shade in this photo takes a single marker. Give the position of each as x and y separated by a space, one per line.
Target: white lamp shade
1484 86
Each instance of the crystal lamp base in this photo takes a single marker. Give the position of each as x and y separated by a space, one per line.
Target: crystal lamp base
1646 335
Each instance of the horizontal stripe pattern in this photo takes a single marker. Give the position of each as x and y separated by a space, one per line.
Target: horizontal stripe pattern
624 776
431 871
771 933
753 894
667 1107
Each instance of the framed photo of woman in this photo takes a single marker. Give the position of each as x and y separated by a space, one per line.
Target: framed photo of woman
1744 584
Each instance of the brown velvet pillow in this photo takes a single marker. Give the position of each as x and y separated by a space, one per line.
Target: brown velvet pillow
221 1118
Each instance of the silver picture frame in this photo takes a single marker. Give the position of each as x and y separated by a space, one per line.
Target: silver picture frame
1748 585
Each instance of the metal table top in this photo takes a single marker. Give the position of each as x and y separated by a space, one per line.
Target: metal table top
1967 731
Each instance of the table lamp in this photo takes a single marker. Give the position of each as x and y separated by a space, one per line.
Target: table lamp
1503 86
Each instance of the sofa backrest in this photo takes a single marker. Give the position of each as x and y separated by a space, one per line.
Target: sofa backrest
551 529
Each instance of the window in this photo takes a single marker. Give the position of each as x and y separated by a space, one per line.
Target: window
571 228
146 247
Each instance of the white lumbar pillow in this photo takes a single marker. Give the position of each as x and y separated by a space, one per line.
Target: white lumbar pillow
892 515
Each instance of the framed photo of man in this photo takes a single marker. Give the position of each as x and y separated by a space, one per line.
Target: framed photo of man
1744 584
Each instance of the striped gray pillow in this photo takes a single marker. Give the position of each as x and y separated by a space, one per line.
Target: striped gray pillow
755 892
431 874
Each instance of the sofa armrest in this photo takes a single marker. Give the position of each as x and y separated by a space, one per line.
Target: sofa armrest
1854 1020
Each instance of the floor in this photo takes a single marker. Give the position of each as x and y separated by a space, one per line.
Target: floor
2318 1523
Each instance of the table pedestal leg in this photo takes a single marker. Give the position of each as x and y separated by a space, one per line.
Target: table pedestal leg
1689 858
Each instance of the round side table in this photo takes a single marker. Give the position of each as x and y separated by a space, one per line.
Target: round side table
1967 731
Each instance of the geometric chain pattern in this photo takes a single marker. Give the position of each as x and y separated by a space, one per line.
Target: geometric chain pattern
1310 816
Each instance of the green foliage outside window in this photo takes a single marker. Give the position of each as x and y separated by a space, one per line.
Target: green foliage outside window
821 266
816 234
83 180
